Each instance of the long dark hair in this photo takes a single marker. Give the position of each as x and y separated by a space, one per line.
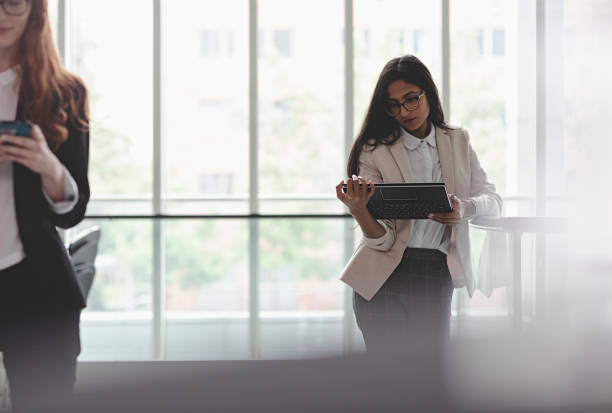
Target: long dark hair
378 127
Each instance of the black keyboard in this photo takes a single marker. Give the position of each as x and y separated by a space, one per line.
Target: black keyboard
407 210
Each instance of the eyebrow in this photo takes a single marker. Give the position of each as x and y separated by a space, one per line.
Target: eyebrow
405 95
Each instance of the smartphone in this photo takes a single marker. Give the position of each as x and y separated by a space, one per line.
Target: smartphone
16 128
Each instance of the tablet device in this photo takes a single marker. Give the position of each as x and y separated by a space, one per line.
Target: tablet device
408 200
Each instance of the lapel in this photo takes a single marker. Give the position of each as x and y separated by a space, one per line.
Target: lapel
445 154
398 152
19 171
19 112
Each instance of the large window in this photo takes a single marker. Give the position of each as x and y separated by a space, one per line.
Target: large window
221 234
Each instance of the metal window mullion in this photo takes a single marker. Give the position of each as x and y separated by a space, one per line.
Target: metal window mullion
540 107
65 235
61 29
349 101
460 298
540 199
157 229
254 327
446 58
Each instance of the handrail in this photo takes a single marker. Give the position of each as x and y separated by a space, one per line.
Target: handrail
522 224
244 198
218 216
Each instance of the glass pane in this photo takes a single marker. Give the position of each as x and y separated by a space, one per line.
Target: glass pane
53 9
112 52
492 94
119 302
579 137
207 289
301 86
391 28
205 85
493 89
301 298
578 99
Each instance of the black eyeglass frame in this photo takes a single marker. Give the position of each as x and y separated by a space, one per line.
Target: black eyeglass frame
397 106
9 13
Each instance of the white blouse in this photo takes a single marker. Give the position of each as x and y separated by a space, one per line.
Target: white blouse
11 248
425 165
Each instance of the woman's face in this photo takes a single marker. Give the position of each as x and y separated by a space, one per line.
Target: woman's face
400 92
12 26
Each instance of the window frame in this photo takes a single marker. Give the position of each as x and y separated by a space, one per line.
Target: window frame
157 198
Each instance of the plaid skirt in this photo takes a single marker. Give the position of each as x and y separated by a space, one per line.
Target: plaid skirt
414 303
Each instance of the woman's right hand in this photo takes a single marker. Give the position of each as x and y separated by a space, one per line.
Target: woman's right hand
357 195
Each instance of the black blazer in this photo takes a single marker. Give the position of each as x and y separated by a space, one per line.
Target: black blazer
54 282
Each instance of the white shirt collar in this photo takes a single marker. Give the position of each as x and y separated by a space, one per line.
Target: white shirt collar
411 141
8 77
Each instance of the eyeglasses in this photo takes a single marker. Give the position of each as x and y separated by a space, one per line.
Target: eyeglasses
393 107
14 7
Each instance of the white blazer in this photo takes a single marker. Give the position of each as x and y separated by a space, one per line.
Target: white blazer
368 269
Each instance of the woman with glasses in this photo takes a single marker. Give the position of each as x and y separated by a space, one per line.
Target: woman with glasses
43 185
403 271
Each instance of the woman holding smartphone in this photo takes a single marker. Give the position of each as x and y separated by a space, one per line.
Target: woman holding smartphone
43 185
403 271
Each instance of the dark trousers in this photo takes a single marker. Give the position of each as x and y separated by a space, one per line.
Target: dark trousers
39 345
412 307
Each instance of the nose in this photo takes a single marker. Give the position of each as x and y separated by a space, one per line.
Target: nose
402 109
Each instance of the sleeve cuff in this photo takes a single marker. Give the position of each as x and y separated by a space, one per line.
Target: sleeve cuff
71 195
383 243
473 212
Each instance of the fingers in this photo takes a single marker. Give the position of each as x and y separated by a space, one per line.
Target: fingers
357 188
15 151
352 188
349 189
451 223
27 151
455 201
450 218
37 134
339 194
436 217
441 218
18 141
372 187
13 154
24 154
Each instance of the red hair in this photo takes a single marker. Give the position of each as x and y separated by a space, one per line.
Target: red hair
49 95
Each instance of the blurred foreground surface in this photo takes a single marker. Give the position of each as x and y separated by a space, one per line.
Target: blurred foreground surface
543 373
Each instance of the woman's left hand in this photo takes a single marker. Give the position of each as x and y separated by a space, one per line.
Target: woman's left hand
451 218
34 153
